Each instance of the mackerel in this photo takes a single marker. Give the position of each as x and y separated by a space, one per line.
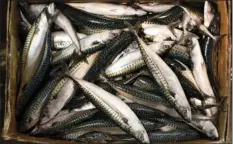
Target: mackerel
170 86
115 108
36 57
65 89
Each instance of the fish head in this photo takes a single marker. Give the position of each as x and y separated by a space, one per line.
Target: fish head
52 12
209 13
142 136
210 130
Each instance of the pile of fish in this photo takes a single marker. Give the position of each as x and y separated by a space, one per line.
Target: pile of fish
107 72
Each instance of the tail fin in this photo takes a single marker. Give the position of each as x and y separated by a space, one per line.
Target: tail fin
131 27
218 38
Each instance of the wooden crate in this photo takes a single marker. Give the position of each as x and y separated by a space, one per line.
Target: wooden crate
222 72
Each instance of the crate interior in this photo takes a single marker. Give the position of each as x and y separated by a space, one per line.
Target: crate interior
221 68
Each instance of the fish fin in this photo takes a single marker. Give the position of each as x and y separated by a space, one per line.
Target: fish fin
172 25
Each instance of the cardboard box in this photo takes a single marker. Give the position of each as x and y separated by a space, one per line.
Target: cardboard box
222 69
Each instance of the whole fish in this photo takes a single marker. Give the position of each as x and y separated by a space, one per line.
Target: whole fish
133 60
32 11
115 108
65 89
155 7
36 56
32 113
61 39
170 86
107 9
200 74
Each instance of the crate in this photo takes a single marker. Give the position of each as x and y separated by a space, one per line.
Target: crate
222 69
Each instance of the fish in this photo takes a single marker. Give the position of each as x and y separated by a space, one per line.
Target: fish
209 13
104 126
115 108
180 53
97 137
81 18
133 61
166 17
65 89
145 112
35 57
166 136
89 31
186 78
174 136
109 53
24 28
32 114
170 86
200 74
108 9
208 46
206 127
61 39
198 18
66 123
61 20
146 83
155 7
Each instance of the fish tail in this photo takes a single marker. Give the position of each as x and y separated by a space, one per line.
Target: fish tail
131 27
218 38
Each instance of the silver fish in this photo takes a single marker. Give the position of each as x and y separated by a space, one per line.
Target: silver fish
200 74
65 89
115 108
